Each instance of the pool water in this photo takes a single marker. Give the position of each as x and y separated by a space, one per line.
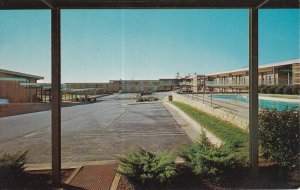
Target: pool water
263 104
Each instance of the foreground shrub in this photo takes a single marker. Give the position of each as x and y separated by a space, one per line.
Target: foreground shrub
209 162
12 168
279 135
146 170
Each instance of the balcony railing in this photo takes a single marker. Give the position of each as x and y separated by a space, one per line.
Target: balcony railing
227 83
185 83
245 82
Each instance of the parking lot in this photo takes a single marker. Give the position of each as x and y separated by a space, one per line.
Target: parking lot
97 131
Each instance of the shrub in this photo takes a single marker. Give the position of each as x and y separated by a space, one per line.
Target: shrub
260 89
296 90
146 170
211 162
287 90
279 135
278 90
271 89
264 89
12 167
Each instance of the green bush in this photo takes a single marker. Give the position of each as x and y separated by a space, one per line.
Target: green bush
296 90
12 167
210 162
260 89
279 135
264 89
146 170
287 90
282 89
278 90
271 89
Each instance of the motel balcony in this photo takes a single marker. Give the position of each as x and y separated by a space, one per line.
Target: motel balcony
185 83
227 84
246 83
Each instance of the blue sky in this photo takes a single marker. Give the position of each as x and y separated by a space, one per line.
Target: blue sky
99 45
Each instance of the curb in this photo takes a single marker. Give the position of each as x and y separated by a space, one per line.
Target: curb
115 183
77 170
67 165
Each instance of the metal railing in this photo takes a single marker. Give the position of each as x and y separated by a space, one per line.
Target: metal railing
245 82
185 83
213 102
227 83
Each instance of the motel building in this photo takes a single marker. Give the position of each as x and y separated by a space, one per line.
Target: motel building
168 84
137 86
88 88
17 87
186 84
279 73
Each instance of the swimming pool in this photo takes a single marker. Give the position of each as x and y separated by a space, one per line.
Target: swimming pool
263 103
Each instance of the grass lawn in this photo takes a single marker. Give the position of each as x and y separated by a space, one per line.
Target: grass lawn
222 129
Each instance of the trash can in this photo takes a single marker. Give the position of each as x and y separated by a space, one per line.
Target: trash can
170 98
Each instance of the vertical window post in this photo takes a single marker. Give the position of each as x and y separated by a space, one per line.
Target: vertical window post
253 90
56 97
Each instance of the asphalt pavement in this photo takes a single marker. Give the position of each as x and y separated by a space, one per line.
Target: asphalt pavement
98 131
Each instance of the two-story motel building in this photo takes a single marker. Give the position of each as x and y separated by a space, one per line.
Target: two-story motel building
279 73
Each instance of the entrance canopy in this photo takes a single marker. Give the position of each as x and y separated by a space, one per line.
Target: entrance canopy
147 4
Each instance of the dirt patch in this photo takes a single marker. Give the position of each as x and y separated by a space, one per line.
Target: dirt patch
37 179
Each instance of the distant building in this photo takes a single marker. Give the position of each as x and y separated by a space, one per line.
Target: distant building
19 87
95 88
168 84
137 86
280 73
185 84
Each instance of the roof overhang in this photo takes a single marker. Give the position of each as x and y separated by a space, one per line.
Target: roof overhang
245 69
147 4
21 74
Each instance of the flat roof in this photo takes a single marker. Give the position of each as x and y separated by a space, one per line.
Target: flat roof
20 74
140 80
86 83
245 69
168 79
147 4
13 79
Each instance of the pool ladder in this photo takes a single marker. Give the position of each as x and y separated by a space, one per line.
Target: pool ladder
242 98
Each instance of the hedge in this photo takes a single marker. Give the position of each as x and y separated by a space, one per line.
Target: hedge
280 89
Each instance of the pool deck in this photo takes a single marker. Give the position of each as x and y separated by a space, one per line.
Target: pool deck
280 97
